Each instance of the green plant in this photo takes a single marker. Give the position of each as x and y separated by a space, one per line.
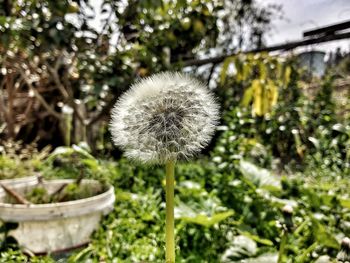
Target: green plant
68 192
221 215
18 160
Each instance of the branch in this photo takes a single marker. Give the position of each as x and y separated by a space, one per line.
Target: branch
100 35
20 199
57 81
103 112
2 101
44 103
108 106
286 46
65 93
39 97
211 73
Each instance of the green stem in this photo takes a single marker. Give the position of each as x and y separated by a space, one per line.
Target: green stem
169 227
282 246
307 251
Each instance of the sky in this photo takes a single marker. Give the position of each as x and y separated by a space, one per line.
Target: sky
301 15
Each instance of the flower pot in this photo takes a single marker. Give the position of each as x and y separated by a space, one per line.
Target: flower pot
28 180
45 228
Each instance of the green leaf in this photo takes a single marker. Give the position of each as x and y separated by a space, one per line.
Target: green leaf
248 96
339 127
272 94
246 70
262 70
241 247
345 203
322 235
315 142
258 239
265 258
225 66
260 177
258 97
287 74
92 164
208 221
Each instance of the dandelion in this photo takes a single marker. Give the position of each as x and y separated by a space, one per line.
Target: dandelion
168 116
160 120
344 253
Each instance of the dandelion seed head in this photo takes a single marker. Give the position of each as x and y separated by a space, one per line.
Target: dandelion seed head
168 116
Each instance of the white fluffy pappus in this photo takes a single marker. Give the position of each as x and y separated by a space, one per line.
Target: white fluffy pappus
168 116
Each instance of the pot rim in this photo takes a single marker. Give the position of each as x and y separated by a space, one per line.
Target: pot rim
35 212
23 179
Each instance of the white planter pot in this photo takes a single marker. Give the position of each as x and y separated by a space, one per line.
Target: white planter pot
45 228
28 180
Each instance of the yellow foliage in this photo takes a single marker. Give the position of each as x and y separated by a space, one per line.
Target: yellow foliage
262 75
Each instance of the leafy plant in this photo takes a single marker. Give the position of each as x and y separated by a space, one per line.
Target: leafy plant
17 160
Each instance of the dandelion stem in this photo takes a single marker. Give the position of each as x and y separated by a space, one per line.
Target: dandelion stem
282 246
169 227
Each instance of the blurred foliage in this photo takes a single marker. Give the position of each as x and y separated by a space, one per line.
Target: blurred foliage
293 132
229 208
18 160
221 215
260 77
60 74
277 144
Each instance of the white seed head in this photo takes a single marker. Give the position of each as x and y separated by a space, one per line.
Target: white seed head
168 116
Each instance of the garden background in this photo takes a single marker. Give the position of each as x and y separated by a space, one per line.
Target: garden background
283 138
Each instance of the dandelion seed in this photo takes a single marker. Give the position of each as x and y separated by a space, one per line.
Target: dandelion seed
168 116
